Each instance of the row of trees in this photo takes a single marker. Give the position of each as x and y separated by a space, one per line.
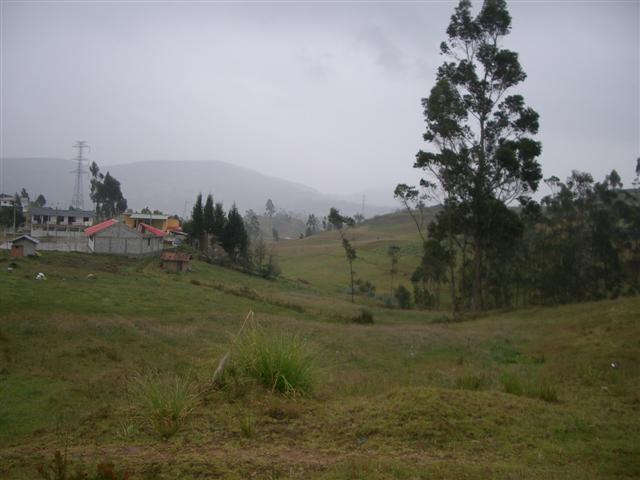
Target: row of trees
241 239
581 242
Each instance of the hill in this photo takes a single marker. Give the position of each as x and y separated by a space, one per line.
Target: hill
171 186
527 394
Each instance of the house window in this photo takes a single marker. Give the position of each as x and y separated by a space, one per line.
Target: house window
148 242
36 219
60 220
71 220
85 219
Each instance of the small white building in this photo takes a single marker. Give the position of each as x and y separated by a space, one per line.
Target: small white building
6 200
52 222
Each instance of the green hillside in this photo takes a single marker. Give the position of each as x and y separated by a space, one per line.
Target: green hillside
525 394
319 259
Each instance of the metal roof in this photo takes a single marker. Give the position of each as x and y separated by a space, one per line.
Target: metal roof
26 237
99 227
148 228
147 216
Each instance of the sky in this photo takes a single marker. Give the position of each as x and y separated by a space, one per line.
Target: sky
322 93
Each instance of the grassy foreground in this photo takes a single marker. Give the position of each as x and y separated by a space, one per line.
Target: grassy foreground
526 394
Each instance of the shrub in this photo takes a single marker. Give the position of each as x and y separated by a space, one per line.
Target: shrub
403 297
365 287
365 317
164 402
279 361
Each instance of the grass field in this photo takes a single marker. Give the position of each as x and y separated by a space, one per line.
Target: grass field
524 394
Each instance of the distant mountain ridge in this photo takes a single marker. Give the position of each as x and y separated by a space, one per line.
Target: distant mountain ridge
171 186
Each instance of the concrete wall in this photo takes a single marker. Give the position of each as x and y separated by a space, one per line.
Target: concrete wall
72 232
121 240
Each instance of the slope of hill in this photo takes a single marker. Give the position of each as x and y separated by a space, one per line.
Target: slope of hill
528 394
171 186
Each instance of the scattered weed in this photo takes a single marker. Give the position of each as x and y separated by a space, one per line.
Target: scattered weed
533 389
472 382
247 426
164 402
126 430
59 469
512 385
503 352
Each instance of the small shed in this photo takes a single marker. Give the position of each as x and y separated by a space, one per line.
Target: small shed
23 246
175 261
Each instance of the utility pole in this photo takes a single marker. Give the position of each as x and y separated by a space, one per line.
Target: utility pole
78 193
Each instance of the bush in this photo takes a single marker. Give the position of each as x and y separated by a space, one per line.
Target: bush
279 361
364 318
164 402
403 297
365 287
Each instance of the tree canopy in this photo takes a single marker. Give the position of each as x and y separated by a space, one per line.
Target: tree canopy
481 155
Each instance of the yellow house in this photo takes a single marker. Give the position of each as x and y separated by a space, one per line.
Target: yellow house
162 222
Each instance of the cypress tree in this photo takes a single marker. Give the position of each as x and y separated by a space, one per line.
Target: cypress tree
219 221
208 217
235 240
197 218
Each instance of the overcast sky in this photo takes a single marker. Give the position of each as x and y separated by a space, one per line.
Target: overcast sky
323 93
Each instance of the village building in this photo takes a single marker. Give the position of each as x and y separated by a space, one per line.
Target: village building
117 238
6 200
52 222
175 261
24 246
156 220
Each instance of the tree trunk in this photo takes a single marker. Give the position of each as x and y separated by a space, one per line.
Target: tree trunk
477 276
452 269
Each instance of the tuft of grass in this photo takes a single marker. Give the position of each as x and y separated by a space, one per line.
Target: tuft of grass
512 385
532 389
247 426
126 430
279 361
547 392
472 382
165 403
